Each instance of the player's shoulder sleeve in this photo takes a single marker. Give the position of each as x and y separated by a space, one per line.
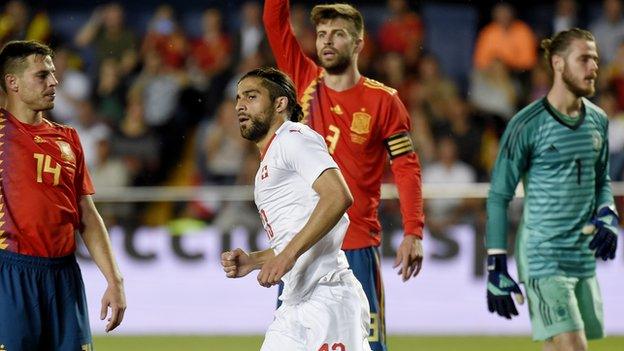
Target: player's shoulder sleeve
288 54
598 114
394 117
516 148
304 151
83 183
395 122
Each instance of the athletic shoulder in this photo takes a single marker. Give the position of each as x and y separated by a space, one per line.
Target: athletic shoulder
296 134
375 86
528 115
591 108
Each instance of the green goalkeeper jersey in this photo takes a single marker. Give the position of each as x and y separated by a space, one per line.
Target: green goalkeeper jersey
563 164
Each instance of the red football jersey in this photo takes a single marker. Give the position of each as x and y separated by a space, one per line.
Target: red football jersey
361 126
43 176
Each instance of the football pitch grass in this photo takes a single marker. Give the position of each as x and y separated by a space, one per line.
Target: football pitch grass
395 343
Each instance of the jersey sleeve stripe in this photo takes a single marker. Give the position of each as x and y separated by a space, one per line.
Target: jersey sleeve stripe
399 144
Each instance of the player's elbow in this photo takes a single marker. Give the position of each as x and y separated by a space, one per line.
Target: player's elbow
345 199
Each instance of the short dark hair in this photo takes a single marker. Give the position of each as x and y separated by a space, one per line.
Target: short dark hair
560 42
345 11
13 57
278 84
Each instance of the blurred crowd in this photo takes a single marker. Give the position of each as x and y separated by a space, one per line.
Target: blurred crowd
155 105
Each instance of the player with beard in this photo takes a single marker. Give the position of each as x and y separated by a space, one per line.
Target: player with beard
302 198
558 147
363 122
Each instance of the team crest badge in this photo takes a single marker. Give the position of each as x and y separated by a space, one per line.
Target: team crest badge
360 123
66 152
596 141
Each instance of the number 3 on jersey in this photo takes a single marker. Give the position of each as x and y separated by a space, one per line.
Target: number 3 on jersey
332 138
44 165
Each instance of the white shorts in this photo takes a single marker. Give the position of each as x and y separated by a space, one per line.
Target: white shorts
336 317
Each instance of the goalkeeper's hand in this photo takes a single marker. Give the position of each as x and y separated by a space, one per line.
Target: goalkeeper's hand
500 287
603 226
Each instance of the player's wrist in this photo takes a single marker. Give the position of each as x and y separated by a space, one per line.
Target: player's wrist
115 281
497 262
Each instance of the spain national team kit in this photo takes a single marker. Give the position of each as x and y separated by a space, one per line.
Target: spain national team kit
563 164
361 126
42 178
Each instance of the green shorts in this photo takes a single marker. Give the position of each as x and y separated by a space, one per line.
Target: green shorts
560 304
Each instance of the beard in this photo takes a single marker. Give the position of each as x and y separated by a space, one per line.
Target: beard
575 85
340 65
259 125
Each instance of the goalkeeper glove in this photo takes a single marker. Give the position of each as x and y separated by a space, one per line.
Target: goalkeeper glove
500 286
603 226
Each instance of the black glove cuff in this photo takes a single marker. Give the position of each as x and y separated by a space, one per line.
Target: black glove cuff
497 263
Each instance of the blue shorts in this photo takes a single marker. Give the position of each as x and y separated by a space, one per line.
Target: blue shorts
366 267
42 304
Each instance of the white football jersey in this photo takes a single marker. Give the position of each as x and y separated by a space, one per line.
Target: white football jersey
294 158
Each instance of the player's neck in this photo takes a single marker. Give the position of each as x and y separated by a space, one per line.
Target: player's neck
564 101
343 81
263 143
23 113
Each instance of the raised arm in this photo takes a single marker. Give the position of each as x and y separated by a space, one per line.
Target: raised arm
89 30
287 51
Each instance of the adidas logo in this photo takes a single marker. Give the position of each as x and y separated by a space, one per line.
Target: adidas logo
552 148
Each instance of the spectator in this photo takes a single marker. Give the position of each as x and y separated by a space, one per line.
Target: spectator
136 144
90 129
159 88
166 38
492 90
110 172
505 39
250 34
540 82
16 24
73 86
609 30
443 213
609 104
306 35
110 92
211 52
566 16
106 32
465 128
402 32
221 149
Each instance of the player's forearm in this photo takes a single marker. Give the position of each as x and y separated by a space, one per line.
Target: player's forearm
259 257
87 33
406 170
496 228
604 194
325 215
95 237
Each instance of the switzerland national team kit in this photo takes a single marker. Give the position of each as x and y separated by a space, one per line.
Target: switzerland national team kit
361 126
42 178
323 303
